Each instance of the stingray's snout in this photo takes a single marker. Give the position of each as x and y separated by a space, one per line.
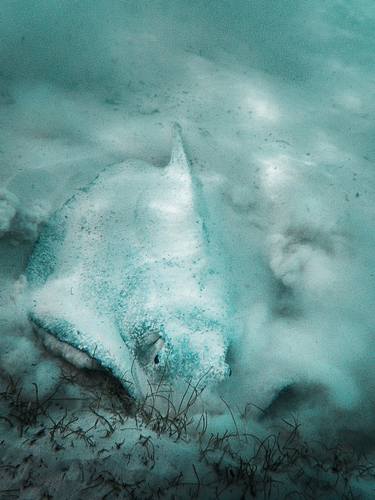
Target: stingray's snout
199 357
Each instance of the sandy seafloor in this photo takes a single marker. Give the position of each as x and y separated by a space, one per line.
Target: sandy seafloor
276 103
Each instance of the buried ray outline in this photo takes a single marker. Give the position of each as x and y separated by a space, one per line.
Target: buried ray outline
122 272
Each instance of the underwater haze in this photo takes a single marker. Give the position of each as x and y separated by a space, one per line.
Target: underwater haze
276 105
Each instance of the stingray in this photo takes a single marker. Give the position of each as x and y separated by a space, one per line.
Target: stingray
123 274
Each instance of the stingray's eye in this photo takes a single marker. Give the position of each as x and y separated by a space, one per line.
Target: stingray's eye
148 347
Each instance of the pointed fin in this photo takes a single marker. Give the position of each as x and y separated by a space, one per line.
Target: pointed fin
178 155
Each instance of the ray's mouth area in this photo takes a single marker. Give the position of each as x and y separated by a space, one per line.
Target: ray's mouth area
65 351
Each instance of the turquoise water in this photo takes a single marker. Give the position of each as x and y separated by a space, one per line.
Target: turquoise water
276 103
